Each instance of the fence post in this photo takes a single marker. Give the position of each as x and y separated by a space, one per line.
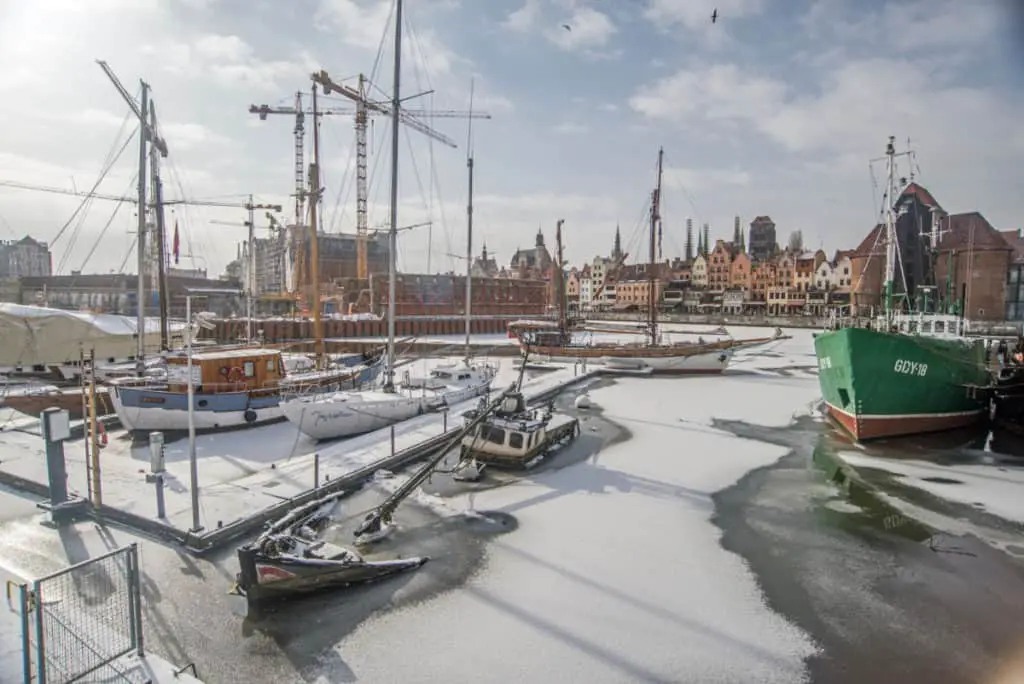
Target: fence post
40 632
316 470
26 641
392 440
135 598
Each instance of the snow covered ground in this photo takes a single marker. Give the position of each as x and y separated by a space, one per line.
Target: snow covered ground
615 572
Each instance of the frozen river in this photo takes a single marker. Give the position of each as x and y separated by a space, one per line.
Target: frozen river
686 538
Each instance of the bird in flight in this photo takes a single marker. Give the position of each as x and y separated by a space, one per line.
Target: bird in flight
714 16
567 27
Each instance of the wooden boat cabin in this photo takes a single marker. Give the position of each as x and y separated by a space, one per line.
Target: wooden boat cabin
516 436
228 370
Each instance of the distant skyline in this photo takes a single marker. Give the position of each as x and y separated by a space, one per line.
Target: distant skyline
773 110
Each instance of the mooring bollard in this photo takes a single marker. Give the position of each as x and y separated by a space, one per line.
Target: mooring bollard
316 470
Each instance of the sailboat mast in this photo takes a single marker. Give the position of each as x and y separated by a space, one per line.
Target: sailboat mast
652 277
396 103
559 274
161 242
140 243
314 246
469 228
890 223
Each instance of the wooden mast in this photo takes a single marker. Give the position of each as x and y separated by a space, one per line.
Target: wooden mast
652 276
314 248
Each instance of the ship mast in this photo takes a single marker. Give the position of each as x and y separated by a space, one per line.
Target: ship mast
652 277
396 103
559 274
890 223
314 248
140 243
469 227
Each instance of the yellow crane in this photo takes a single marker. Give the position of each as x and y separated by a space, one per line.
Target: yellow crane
364 108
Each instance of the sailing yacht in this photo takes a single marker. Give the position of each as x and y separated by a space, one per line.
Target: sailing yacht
653 356
341 414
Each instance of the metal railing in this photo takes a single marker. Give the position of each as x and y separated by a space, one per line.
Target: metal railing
78 622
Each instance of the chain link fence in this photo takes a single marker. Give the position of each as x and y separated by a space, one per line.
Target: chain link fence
82 620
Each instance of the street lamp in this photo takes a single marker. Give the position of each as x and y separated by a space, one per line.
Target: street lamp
201 320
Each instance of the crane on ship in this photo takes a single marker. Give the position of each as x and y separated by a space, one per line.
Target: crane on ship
364 107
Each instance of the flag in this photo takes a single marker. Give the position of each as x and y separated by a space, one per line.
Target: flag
176 243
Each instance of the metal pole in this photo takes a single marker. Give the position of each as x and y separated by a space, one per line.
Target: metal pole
40 633
136 589
26 641
140 288
393 427
251 267
396 103
192 464
316 470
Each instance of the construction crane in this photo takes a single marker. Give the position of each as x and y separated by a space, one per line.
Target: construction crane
299 112
364 108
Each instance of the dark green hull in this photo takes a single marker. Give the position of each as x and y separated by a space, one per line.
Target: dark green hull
880 384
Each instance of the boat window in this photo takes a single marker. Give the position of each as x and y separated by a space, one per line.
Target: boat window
463 376
270 365
939 326
249 368
492 434
515 440
442 374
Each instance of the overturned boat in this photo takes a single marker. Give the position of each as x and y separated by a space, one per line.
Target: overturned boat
288 560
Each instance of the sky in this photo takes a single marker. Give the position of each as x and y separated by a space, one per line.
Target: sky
775 109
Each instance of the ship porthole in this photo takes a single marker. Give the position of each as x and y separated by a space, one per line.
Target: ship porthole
202 403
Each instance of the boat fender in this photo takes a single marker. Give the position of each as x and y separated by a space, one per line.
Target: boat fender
101 433
250 416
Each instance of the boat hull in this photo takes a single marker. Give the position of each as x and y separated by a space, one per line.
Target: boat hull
879 384
683 360
148 409
330 417
67 400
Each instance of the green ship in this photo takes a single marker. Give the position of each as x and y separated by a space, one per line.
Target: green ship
909 373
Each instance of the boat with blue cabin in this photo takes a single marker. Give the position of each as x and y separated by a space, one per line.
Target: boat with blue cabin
231 388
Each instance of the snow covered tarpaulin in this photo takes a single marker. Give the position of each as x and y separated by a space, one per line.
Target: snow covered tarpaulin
36 335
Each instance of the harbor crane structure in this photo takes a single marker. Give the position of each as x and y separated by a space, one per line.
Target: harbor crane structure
364 107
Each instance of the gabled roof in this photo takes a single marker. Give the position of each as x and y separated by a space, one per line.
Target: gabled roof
1015 238
925 197
872 245
970 230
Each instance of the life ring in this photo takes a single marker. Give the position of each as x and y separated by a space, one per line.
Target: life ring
235 374
101 434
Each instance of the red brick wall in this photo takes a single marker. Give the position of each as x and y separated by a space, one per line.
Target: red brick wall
984 272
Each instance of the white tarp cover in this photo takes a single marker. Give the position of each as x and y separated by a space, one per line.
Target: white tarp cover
35 335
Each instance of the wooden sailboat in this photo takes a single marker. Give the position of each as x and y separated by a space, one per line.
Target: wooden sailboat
340 414
654 355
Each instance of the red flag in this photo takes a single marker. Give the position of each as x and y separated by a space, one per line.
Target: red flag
176 243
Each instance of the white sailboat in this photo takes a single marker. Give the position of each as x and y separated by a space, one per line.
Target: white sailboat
341 414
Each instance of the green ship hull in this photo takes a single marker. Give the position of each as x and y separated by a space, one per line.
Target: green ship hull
881 384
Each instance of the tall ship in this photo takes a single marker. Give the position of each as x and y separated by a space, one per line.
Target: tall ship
652 355
908 371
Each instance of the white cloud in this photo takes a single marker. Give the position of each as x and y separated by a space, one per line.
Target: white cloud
694 14
703 180
588 29
524 18
571 128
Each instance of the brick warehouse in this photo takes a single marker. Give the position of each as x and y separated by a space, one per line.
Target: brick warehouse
969 247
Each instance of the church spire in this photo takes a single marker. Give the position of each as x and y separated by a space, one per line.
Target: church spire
617 249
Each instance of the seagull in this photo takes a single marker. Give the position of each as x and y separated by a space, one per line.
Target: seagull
714 16
567 27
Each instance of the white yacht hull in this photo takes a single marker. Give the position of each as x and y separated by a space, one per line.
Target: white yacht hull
707 363
345 414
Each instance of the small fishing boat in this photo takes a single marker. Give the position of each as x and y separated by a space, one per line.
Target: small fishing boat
231 387
514 435
33 401
288 560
